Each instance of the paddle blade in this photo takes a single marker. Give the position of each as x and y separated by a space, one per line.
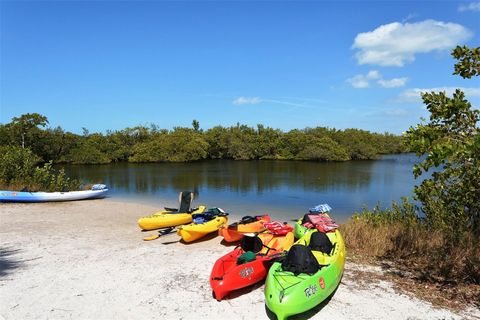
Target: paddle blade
150 238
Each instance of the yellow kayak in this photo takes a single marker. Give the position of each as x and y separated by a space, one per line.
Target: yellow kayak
164 219
199 229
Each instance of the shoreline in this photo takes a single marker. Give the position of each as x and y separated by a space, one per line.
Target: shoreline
86 259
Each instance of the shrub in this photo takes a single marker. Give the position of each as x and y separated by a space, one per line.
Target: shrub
18 170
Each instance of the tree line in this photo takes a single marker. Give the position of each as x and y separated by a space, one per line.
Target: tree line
183 144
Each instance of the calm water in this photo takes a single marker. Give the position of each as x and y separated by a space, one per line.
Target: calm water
285 189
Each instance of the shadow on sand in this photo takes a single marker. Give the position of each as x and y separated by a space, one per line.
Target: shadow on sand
240 292
229 244
8 263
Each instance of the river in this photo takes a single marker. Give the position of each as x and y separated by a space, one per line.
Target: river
284 189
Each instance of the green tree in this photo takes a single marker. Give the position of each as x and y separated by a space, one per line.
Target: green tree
196 125
218 140
26 124
242 143
468 64
450 142
268 143
179 145
323 149
16 164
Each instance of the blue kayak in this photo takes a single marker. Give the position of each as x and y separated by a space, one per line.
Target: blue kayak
97 191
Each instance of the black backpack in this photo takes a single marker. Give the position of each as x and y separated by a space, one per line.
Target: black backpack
300 259
320 242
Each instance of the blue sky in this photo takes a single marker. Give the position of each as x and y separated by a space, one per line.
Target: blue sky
114 64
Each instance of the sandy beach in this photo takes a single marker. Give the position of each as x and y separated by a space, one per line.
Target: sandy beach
87 260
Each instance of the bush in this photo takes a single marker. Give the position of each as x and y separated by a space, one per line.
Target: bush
86 153
16 164
397 234
18 170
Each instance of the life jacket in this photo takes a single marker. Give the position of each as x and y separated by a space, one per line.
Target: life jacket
322 222
278 228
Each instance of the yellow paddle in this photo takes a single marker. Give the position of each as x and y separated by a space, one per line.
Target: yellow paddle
160 233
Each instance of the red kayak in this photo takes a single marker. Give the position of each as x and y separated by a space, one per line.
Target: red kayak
250 263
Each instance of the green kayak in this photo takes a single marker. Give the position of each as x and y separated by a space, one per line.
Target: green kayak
289 290
299 230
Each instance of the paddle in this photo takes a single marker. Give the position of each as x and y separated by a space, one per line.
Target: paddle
160 233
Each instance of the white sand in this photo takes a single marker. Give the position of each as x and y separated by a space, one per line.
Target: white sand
87 260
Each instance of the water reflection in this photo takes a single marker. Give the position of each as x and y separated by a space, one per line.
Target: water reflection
287 187
234 176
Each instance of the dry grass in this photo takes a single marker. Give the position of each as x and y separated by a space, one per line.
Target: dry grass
425 257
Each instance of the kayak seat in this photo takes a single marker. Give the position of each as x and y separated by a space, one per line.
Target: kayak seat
185 199
247 219
319 241
305 218
253 244
300 259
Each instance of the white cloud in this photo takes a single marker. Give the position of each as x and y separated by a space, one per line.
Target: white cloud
361 81
246 100
396 43
472 6
297 102
398 112
373 74
393 83
414 95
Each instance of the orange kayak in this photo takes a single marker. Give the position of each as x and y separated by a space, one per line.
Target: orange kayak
247 224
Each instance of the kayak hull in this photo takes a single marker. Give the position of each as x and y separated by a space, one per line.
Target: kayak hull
227 276
193 231
299 230
166 219
230 235
287 294
237 276
19 196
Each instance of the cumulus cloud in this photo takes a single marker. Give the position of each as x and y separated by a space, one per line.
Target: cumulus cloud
373 74
472 6
396 43
361 81
393 83
414 95
246 100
